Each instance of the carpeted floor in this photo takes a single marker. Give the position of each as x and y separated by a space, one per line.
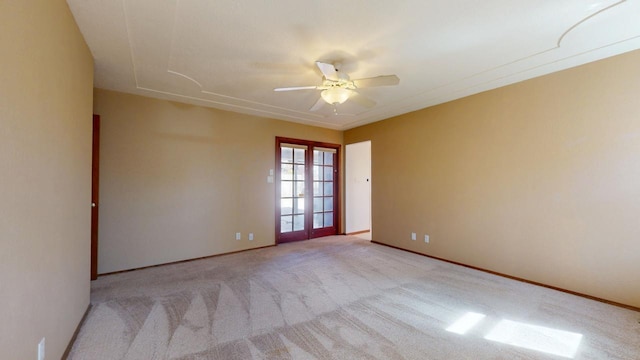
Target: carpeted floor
342 297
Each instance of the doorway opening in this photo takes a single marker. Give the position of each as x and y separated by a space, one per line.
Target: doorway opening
307 189
358 189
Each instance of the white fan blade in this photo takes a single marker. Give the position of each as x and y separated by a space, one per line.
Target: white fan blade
318 105
383 80
328 70
296 88
361 100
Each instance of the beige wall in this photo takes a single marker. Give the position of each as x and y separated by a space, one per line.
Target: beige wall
46 80
539 180
178 181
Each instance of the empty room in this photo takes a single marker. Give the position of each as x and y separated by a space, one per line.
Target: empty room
312 179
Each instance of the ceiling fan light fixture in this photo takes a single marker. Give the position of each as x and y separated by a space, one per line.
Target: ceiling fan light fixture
335 95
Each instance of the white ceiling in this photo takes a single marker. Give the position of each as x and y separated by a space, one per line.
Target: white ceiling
230 54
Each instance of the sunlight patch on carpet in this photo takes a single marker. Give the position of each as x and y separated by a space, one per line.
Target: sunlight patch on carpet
539 338
467 322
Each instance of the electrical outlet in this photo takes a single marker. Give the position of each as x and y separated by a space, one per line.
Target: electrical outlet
426 238
413 236
250 236
41 349
238 236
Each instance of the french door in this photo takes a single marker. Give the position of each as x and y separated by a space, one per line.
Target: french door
307 198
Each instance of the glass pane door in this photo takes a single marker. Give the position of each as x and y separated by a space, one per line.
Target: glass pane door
306 189
293 160
323 188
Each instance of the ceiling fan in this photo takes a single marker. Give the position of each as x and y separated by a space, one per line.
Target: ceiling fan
337 87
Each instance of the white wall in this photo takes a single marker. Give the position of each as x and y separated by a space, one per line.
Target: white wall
178 181
46 87
538 180
358 187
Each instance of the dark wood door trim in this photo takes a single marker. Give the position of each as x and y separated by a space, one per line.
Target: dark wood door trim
95 203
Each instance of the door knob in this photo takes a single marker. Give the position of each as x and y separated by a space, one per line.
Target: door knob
93 204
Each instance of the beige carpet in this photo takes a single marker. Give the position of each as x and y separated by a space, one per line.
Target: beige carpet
342 298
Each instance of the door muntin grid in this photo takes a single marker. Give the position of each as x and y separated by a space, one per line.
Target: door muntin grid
323 186
292 188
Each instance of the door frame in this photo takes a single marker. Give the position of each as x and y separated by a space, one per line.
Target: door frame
357 164
95 180
309 232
